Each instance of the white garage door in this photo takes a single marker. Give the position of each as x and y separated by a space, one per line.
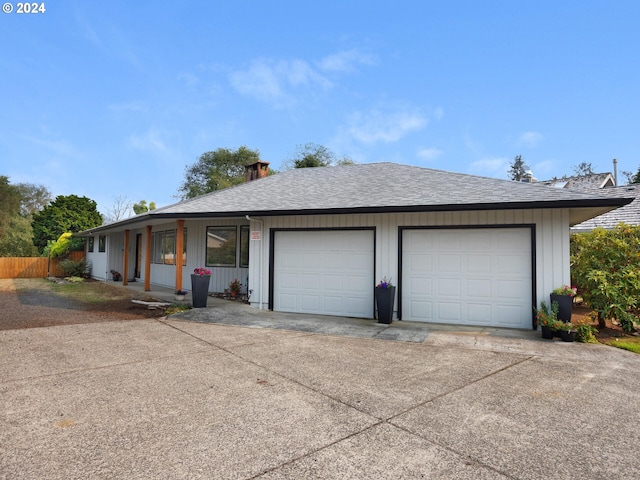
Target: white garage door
468 276
327 272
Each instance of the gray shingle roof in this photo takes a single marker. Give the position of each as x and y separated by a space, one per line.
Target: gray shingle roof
583 182
371 187
376 187
629 214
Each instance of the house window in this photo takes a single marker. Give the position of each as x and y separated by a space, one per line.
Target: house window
90 244
169 247
158 241
164 247
102 243
184 248
221 246
244 246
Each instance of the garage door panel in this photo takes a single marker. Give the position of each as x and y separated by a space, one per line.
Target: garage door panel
449 287
510 290
421 286
420 263
450 312
449 263
488 271
418 309
478 263
479 313
327 272
478 287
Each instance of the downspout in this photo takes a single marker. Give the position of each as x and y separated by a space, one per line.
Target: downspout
261 251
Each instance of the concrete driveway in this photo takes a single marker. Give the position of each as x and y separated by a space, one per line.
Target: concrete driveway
178 398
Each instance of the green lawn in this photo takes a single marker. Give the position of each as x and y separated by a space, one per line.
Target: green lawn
628 343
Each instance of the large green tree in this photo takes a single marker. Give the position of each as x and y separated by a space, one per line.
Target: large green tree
142 207
33 198
217 170
17 204
68 213
314 155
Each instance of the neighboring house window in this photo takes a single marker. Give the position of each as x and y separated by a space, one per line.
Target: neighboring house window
221 246
244 246
164 247
102 243
90 244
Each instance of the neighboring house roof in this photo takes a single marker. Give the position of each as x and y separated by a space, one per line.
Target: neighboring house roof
375 188
629 214
583 182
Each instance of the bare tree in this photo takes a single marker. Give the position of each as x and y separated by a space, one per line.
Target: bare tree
120 209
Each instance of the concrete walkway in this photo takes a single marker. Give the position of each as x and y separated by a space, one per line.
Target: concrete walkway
183 397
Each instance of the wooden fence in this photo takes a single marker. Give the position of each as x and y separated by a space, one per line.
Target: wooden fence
33 267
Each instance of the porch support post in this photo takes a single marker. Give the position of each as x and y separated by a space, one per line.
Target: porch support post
125 267
179 249
147 261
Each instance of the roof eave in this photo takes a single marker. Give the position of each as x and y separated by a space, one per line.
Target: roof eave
600 205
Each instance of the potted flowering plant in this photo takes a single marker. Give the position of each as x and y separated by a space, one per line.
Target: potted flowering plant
234 287
564 297
385 294
200 286
548 319
568 331
179 295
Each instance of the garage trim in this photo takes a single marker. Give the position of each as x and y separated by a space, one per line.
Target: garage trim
531 227
272 236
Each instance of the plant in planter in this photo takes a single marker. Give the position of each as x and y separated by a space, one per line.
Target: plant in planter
179 295
234 287
385 294
115 275
200 286
567 331
564 297
548 319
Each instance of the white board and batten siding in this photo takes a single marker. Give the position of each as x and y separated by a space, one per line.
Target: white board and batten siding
551 241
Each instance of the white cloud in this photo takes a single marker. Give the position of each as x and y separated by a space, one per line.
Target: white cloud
345 61
378 126
134 106
490 167
272 81
429 154
150 141
530 139
189 79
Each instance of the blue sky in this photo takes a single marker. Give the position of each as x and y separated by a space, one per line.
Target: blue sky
108 99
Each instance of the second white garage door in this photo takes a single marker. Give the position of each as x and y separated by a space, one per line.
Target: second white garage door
327 272
468 276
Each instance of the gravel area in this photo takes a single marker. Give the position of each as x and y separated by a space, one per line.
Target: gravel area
32 302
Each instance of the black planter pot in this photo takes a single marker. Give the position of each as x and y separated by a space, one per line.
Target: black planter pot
200 290
565 304
547 333
567 336
384 302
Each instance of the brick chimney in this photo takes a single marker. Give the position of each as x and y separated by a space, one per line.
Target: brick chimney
256 170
